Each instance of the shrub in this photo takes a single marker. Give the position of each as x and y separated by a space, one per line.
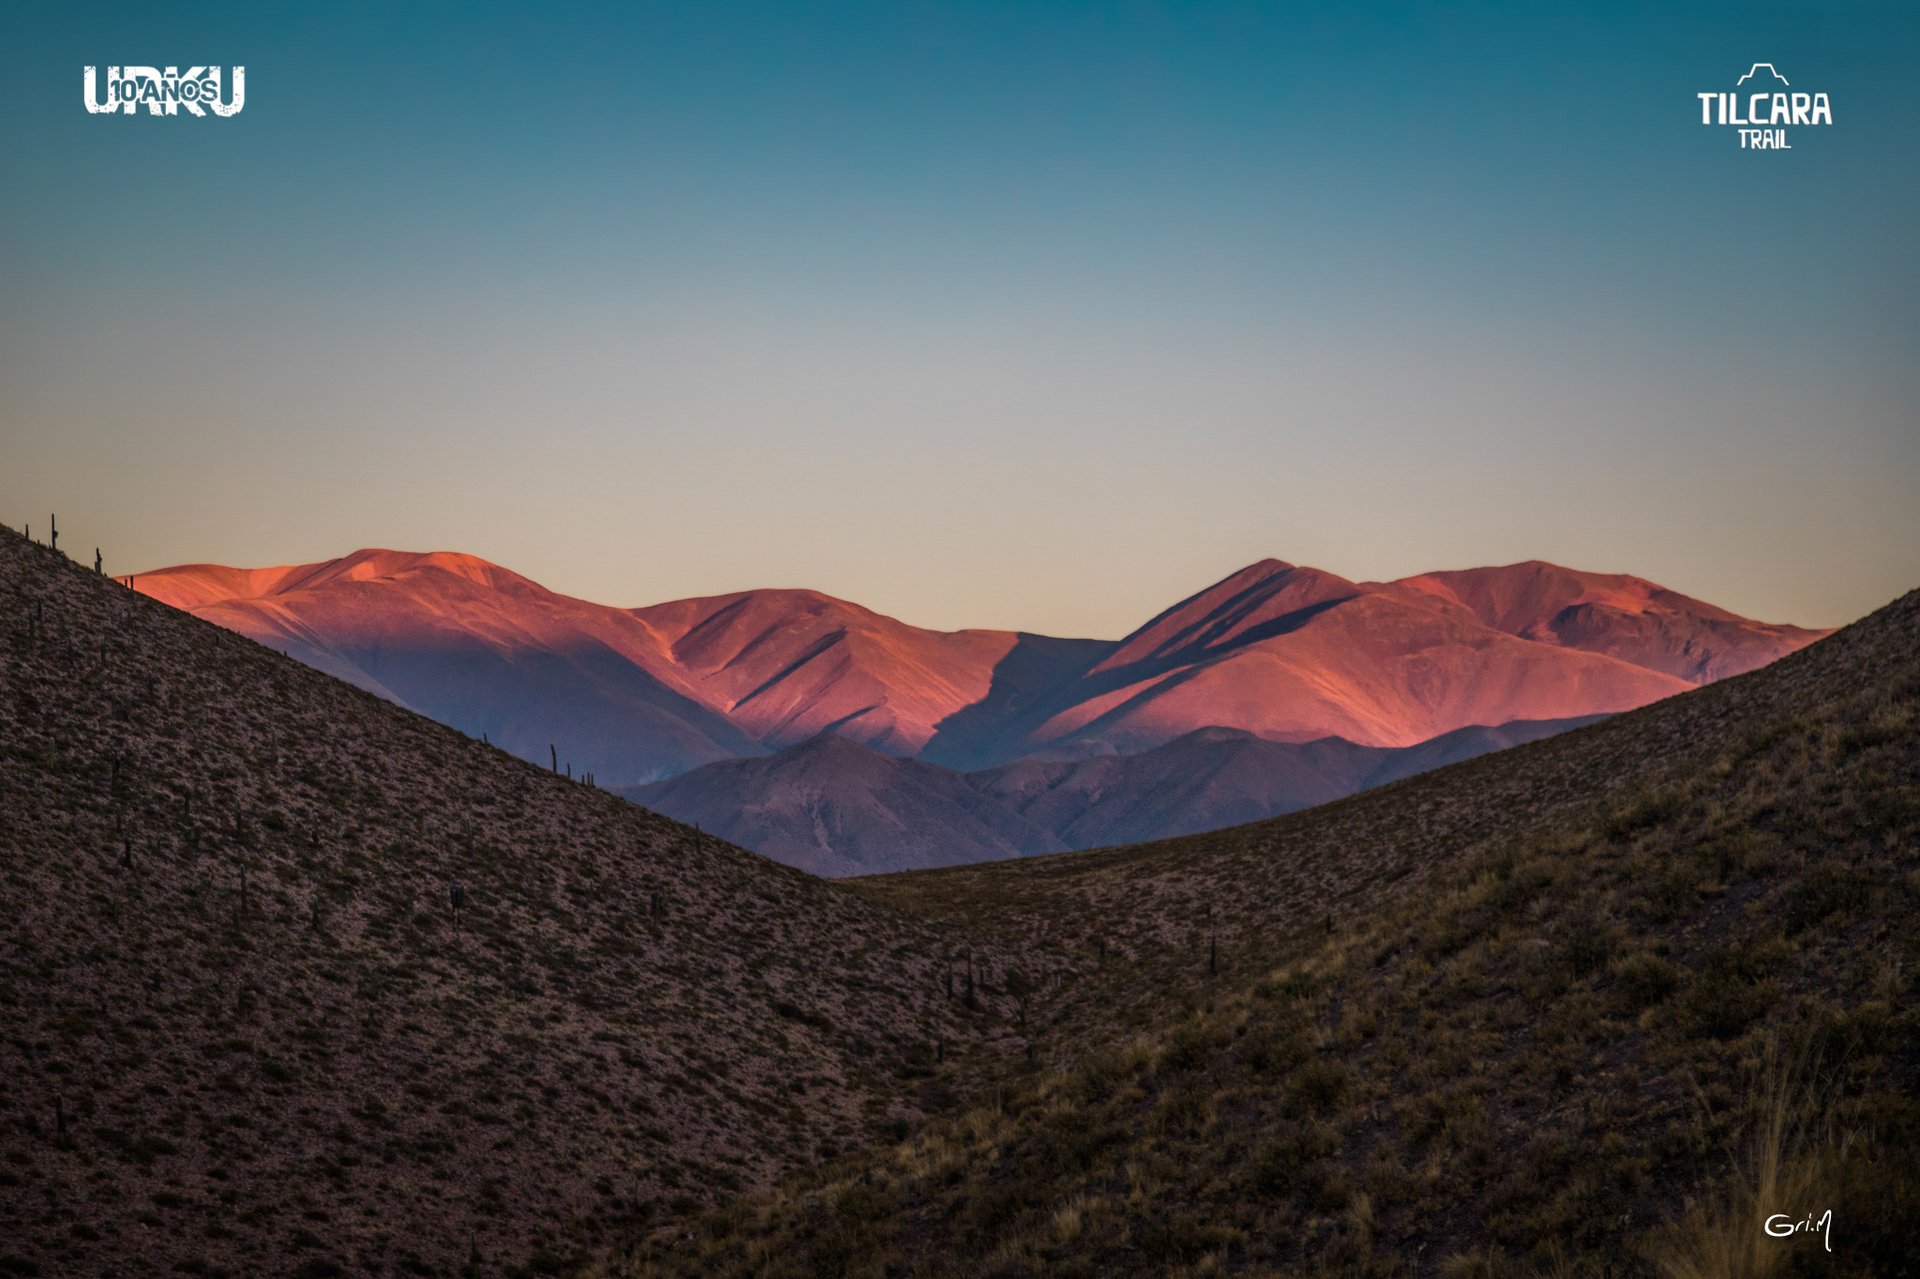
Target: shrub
1644 979
1265 1048
1319 1086
1584 945
1724 998
318 1268
1280 1166
1643 814
1822 892
1190 1047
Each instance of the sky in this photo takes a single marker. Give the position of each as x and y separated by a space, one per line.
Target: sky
1036 316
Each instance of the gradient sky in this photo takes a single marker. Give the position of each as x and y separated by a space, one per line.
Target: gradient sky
1022 315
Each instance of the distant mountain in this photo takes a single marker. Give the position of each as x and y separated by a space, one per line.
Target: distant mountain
1209 778
835 808
1216 777
1282 652
1295 654
785 666
1624 617
478 647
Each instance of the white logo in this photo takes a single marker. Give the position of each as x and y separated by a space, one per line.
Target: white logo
1762 110
196 91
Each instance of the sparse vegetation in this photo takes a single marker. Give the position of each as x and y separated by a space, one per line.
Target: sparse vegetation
296 982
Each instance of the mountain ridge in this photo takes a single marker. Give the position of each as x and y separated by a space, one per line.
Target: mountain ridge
833 807
635 695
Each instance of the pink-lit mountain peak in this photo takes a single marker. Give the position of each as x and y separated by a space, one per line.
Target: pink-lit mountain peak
780 665
194 586
1617 614
374 564
1263 598
1283 651
1513 597
787 664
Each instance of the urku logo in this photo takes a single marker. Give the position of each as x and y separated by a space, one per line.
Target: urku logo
1767 113
169 92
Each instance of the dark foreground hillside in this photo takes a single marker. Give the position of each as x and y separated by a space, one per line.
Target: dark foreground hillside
294 982
1600 1005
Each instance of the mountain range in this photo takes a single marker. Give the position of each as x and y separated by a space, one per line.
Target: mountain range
833 807
298 982
1008 728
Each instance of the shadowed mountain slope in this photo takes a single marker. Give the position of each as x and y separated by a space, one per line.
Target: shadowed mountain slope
787 665
293 980
1215 777
834 808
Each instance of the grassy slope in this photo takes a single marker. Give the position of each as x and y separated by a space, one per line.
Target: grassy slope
1565 991
243 1032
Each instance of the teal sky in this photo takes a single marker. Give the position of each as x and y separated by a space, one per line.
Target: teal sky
1019 315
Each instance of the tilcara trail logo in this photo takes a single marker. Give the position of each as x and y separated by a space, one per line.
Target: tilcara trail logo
196 91
1765 111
